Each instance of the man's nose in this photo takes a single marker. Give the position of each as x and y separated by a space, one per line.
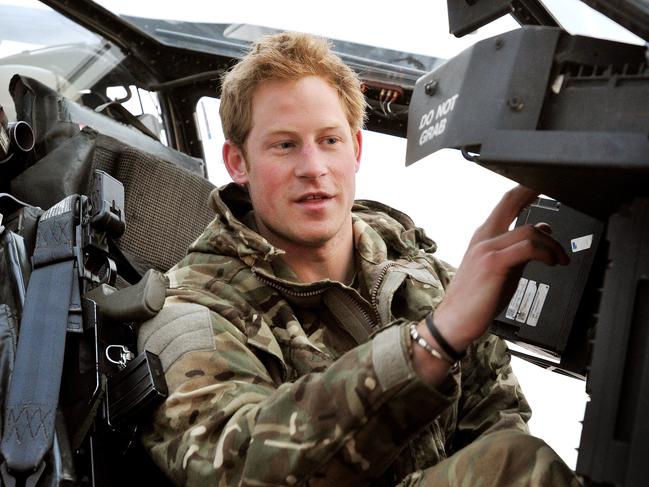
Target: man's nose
312 162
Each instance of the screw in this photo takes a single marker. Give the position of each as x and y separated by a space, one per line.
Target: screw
516 103
431 87
499 43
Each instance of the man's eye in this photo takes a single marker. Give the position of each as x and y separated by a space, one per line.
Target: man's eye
285 145
331 140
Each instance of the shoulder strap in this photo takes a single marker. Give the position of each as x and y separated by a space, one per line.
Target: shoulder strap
30 408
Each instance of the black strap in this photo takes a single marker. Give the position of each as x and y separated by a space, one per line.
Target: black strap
446 347
30 408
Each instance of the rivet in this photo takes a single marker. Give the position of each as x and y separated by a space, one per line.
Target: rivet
431 87
516 103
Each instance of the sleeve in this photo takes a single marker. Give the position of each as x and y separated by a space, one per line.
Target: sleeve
228 422
491 397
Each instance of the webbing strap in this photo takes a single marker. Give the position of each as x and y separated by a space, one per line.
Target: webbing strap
30 407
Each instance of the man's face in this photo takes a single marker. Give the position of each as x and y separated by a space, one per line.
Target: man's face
300 163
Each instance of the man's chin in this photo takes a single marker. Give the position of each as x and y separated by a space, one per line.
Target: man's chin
307 239
310 239
296 232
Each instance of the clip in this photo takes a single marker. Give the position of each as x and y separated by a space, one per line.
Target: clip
125 356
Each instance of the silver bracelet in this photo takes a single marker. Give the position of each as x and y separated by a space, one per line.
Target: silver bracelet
421 341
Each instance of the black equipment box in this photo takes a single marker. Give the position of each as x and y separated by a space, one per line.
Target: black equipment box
550 315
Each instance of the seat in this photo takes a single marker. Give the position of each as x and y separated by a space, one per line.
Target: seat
165 208
165 192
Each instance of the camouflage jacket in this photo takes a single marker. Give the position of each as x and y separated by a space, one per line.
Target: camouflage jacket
277 382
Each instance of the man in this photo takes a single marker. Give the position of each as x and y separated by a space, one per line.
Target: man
297 336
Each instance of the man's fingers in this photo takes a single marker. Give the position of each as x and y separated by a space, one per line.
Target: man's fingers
525 251
541 247
511 204
544 227
530 238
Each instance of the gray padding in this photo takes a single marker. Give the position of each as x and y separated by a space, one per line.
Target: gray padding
165 205
389 357
175 331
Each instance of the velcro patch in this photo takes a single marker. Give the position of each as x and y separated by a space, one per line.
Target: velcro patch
176 330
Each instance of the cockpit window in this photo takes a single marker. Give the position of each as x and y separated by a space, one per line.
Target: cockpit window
578 18
42 44
419 28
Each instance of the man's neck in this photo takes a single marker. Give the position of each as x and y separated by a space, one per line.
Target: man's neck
332 260
315 264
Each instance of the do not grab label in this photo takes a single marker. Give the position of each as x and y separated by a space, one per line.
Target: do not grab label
433 123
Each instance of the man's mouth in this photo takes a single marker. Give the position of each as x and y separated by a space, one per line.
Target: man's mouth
313 197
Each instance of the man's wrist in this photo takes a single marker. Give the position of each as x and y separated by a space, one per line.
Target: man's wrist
431 369
431 349
449 351
453 332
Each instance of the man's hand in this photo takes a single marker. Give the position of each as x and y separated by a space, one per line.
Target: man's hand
491 268
488 275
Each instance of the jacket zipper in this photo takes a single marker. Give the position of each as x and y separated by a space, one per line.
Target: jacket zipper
368 318
283 289
372 320
374 292
286 290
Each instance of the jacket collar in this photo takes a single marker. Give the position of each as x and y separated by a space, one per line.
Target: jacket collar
381 233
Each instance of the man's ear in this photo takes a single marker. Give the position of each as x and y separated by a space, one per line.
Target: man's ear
235 162
358 148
